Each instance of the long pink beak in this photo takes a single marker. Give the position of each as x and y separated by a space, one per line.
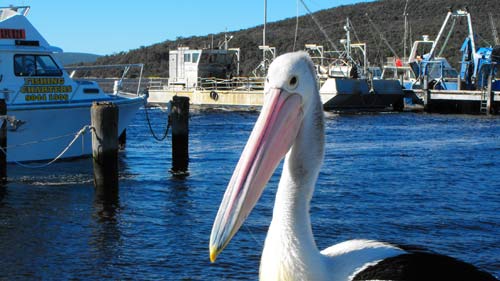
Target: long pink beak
273 135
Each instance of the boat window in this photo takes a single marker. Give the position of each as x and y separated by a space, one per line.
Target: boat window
434 70
212 58
221 59
234 59
195 57
450 73
35 65
187 57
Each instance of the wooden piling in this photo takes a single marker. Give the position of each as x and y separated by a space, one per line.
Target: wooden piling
179 116
104 120
3 142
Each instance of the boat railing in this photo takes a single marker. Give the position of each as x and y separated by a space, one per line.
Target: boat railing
396 72
233 84
157 83
124 78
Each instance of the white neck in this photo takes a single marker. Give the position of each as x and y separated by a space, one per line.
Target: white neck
290 249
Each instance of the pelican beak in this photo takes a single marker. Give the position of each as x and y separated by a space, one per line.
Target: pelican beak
273 135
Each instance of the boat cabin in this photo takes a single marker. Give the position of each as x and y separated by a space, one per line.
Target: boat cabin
187 66
417 63
47 110
29 74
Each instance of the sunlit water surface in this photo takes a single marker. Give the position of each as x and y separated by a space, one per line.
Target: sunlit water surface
417 179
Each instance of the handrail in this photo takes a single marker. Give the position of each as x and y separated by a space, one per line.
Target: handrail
126 68
235 83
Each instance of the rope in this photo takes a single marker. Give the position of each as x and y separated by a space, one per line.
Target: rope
319 26
40 141
381 35
354 31
296 26
81 132
151 128
448 37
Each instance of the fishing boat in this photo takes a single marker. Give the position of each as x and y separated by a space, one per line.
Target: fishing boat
209 78
47 108
433 82
350 86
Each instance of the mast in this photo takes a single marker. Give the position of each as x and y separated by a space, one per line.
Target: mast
265 22
347 28
405 36
267 52
494 30
433 49
264 38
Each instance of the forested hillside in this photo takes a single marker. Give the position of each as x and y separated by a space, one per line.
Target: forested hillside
371 21
70 58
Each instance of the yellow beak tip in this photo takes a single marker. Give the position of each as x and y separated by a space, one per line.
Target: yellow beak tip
213 254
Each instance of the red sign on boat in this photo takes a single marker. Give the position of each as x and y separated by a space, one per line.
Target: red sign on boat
8 33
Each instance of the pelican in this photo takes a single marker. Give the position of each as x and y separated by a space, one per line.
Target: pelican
291 125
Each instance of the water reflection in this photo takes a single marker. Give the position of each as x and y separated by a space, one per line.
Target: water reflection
3 192
180 225
106 204
106 237
178 195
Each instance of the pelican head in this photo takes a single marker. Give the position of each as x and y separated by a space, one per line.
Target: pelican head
290 92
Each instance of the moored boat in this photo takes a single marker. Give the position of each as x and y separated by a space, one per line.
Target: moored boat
350 86
210 78
46 107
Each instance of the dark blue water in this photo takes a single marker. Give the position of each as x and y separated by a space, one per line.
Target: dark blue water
419 179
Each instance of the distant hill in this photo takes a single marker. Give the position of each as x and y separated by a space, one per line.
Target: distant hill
425 18
69 58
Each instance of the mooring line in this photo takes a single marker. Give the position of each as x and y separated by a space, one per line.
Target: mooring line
149 122
78 134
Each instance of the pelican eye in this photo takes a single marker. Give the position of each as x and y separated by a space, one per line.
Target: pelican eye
293 82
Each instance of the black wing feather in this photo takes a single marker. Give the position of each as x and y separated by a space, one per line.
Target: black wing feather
423 266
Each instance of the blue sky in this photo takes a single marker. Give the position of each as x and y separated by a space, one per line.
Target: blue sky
111 26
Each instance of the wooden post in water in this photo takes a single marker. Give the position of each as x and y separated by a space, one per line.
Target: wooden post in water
179 116
105 146
3 142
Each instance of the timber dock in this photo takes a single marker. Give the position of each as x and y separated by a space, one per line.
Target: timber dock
460 101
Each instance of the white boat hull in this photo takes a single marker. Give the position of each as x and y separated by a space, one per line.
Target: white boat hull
48 129
344 94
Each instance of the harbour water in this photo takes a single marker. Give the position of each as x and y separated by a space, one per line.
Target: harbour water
417 179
